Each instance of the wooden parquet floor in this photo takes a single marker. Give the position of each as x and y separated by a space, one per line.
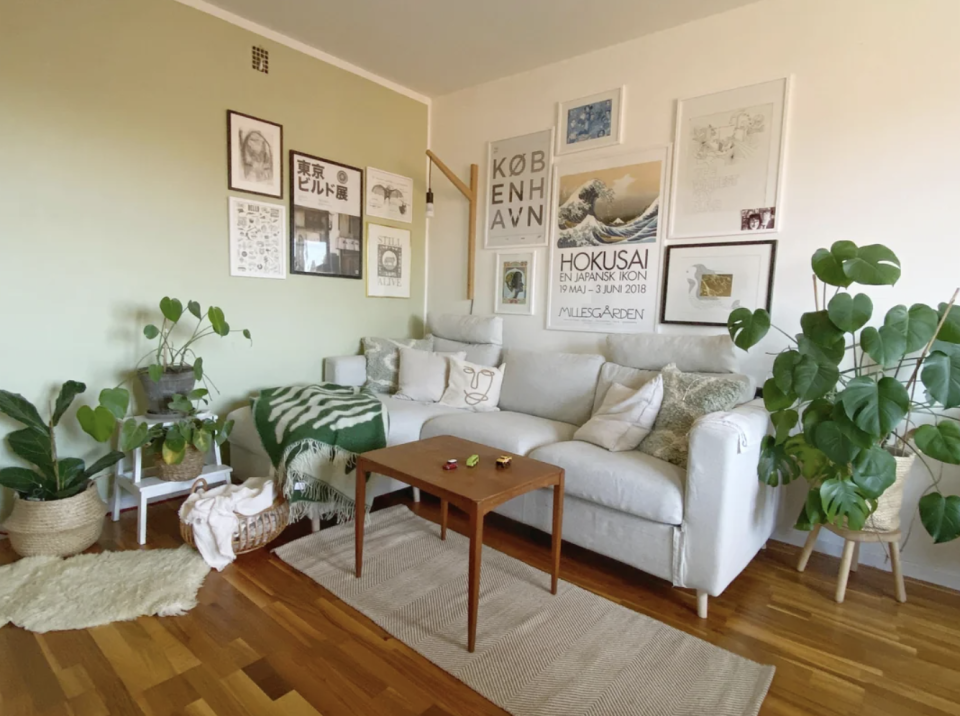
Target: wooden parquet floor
267 641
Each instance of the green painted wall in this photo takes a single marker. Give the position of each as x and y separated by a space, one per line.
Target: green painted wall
113 193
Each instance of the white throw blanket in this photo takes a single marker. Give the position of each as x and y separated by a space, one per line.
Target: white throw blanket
212 513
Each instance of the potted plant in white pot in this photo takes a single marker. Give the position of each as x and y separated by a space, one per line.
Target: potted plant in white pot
57 509
851 432
175 367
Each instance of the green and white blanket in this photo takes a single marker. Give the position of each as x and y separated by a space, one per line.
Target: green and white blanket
313 435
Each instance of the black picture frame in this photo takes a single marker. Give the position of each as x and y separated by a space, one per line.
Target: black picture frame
233 185
680 247
293 219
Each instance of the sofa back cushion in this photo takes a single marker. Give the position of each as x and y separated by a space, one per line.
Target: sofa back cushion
481 353
383 360
467 329
636 378
555 386
693 354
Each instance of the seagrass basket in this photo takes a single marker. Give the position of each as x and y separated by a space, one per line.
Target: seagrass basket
253 531
189 468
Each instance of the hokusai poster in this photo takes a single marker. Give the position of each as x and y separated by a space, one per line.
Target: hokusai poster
605 243
518 191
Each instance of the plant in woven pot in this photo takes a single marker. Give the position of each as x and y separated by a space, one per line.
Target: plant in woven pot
57 510
175 367
844 398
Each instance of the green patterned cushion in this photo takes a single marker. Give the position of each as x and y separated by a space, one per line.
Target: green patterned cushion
383 361
686 397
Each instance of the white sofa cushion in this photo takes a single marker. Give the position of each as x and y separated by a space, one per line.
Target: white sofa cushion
513 432
468 329
653 351
556 386
423 374
631 481
405 418
636 378
473 387
625 417
480 353
383 360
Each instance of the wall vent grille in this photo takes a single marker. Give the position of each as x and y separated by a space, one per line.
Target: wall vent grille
261 60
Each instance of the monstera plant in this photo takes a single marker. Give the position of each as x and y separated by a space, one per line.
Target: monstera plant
845 396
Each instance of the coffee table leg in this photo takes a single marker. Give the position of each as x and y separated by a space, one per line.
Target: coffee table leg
557 531
443 519
473 603
360 504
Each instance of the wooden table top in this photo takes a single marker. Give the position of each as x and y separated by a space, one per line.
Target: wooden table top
422 463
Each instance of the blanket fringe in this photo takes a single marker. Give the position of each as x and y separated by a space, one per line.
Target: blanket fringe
299 472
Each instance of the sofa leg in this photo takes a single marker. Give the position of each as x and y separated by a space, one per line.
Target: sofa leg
314 524
416 494
702 597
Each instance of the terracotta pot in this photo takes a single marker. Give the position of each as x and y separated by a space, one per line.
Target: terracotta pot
56 527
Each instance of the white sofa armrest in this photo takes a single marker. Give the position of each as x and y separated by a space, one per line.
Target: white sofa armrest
728 513
345 370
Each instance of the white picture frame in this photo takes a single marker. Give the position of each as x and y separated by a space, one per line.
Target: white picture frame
254 155
389 196
519 174
728 178
388 261
575 134
258 239
601 285
515 283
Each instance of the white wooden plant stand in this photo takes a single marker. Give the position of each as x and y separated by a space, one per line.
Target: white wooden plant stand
144 484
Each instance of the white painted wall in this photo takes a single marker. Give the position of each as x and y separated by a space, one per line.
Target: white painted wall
872 156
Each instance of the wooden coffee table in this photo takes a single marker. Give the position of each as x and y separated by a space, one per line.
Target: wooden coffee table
475 490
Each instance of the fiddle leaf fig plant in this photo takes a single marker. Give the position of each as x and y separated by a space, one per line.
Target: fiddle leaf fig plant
838 418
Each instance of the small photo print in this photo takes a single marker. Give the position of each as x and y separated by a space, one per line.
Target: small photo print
763 219
256 151
515 285
590 121
716 285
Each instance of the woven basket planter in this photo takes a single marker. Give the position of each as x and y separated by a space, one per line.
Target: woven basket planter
189 469
57 527
253 531
886 518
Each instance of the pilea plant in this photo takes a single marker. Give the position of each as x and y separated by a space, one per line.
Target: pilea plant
843 397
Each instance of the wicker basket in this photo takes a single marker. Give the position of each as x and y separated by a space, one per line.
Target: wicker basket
253 531
56 527
188 469
886 518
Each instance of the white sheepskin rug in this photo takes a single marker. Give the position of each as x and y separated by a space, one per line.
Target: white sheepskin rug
52 594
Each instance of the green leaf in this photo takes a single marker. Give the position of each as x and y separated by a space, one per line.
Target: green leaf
874 265
156 372
875 407
197 394
783 366
133 434
202 440
844 250
941 376
246 334
941 516
950 330
784 421
828 437
20 409
817 412
71 471
776 466
22 480
841 499
198 369
116 400
822 353
181 404
829 269
814 507
171 308
886 346
174 453
151 331
194 308
68 391
224 432
34 447
812 461
774 399
747 328
817 326
916 325
813 379
850 313
850 430
104 463
941 441
874 470
98 424
220 326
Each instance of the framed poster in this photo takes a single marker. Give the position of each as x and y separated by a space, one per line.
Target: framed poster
257 239
704 282
255 152
326 217
518 190
388 262
516 283
728 162
605 242
389 196
591 122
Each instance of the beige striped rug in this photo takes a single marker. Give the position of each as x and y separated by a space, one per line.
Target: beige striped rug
537 654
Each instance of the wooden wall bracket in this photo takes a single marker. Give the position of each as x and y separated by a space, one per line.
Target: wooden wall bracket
470 192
